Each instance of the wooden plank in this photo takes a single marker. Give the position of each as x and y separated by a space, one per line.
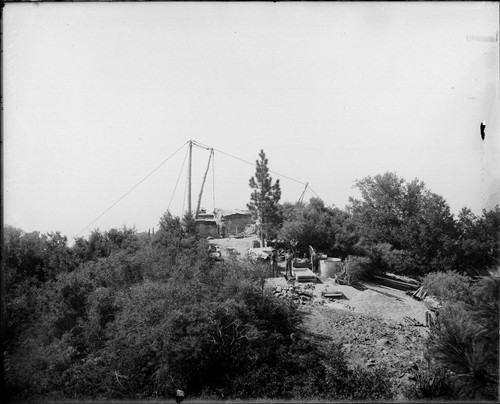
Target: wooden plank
396 284
335 294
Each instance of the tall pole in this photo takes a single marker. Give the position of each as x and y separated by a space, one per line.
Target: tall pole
189 174
303 193
202 185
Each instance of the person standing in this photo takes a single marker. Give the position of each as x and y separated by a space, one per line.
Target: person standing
288 257
274 262
314 260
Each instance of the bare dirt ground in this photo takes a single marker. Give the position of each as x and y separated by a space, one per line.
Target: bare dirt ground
369 321
239 245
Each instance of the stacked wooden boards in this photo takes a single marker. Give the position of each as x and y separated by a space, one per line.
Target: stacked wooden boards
392 283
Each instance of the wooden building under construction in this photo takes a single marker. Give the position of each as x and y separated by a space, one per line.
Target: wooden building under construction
235 221
220 223
223 223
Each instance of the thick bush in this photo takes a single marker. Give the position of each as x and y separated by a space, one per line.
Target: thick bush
303 370
431 382
356 268
141 322
448 286
464 339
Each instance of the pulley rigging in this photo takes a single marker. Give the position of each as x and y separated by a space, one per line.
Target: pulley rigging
211 160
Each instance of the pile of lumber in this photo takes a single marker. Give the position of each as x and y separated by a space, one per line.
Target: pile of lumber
419 294
392 283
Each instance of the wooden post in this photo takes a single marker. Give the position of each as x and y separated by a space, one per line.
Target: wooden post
203 184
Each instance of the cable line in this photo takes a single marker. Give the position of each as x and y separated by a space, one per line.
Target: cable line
186 186
312 190
130 190
306 184
178 177
248 162
303 193
198 144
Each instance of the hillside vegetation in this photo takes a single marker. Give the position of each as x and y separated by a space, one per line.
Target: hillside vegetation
123 315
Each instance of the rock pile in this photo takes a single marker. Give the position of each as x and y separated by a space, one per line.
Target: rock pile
299 294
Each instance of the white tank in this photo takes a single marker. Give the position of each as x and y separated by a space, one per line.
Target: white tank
330 267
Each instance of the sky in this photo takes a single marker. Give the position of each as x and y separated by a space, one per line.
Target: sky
96 96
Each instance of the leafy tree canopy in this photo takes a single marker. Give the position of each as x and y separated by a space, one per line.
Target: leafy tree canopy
415 223
314 224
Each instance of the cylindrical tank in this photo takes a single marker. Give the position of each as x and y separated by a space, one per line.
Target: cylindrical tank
330 267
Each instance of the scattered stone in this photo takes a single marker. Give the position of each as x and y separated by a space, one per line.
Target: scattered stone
405 354
382 341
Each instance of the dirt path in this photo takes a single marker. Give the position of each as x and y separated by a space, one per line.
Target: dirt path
238 245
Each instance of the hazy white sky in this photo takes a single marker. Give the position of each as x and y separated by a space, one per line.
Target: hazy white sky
96 95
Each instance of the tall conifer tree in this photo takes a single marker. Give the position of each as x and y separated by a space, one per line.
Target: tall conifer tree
264 200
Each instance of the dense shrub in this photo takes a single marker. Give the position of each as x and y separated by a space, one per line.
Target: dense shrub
123 315
431 382
356 268
303 371
448 286
464 340
486 294
141 323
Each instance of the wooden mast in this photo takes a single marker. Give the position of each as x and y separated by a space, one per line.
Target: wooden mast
203 184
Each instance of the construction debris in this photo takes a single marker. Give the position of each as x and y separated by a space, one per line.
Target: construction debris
413 322
373 300
419 294
297 293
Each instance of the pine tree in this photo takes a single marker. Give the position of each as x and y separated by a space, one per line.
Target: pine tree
264 200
